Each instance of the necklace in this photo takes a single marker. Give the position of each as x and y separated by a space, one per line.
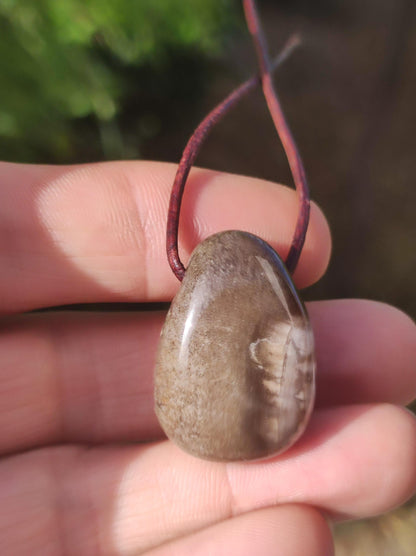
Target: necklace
235 371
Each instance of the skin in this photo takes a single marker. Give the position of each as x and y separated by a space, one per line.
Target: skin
85 468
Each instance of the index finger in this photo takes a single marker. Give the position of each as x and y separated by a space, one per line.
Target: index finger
96 233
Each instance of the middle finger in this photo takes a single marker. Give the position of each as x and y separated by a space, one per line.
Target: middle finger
88 377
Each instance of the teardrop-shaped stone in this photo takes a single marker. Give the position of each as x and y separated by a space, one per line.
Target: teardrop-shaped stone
235 368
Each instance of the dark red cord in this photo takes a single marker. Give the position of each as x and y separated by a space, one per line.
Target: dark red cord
282 128
196 140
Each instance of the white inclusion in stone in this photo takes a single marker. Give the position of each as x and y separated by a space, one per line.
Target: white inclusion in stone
269 353
298 354
300 396
272 386
284 355
301 341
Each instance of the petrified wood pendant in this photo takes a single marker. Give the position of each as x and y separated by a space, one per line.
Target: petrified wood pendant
235 369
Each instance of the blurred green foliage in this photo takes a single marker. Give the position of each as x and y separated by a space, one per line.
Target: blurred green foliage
70 60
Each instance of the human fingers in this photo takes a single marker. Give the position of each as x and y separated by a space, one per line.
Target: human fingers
77 377
288 530
88 377
366 352
353 462
96 232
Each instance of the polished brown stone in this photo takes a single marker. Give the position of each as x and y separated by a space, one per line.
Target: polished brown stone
235 368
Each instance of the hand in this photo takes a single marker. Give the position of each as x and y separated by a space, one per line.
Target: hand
85 468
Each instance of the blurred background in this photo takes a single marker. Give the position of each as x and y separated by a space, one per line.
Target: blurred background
89 80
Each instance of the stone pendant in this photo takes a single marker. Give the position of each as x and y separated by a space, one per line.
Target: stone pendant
235 372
